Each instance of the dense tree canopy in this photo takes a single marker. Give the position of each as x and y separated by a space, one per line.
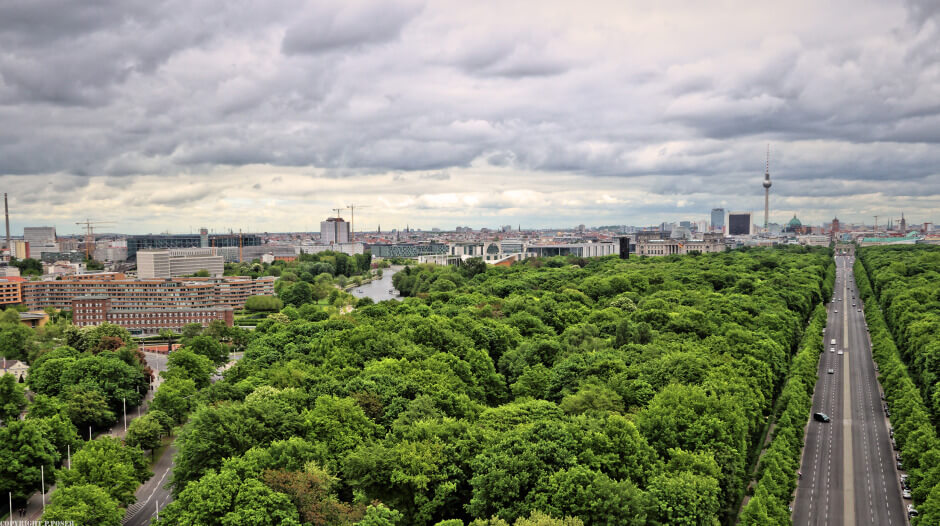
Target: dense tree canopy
900 288
607 390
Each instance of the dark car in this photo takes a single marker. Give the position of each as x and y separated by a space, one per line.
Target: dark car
821 417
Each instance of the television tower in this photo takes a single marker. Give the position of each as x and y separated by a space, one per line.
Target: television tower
767 184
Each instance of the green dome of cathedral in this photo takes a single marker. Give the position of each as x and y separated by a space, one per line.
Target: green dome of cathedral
794 223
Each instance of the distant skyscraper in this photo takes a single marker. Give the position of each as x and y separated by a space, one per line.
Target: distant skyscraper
767 189
740 224
718 219
903 223
334 230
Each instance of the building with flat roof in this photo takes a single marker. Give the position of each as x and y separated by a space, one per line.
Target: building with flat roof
164 264
11 291
39 235
162 241
93 310
334 230
740 224
718 219
156 294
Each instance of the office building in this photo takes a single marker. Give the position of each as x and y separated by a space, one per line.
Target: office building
740 224
334 230
718 219
177 263
164 241
406 250
39 235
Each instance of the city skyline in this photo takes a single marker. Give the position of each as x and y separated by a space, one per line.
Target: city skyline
448 114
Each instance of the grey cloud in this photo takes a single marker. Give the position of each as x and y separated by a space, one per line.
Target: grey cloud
347 25
134 91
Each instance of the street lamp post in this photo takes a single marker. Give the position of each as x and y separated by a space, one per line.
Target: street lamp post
42 487
124 403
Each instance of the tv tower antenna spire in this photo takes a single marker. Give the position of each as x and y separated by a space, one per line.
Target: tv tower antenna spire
767 185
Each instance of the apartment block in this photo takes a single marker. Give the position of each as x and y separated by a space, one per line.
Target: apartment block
188 293
92 310
10 290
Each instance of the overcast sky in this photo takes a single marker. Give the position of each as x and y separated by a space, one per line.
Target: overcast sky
171 115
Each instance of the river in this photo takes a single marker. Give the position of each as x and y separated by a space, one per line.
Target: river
379 289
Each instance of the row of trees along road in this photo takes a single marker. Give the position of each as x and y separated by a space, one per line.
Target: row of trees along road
81 380
605 391
906 289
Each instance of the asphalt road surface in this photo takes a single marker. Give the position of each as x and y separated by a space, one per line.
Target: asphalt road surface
848 468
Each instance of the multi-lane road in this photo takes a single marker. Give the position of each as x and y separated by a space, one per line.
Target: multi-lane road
849 473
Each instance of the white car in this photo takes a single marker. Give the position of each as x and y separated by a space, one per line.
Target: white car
832 349
906 494
840 353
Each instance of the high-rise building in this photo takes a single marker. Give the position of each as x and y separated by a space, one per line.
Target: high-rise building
740 224
767 184
718 219
334 230
903 223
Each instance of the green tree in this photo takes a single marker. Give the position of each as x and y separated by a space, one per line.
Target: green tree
379 515
685 498
176 397
91 337
263 304
107 463
84 504
23 449
16 340
226 499
190 331
86 406
12 398
210 348
185 364
145 432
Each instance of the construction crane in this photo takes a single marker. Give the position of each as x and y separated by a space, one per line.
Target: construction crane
352 222
90 233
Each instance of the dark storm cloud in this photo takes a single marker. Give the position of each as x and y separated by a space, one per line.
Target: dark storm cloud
448 98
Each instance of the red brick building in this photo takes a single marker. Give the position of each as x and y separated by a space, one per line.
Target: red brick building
89 311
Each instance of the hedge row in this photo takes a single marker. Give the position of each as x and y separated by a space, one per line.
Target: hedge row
779 466
913 431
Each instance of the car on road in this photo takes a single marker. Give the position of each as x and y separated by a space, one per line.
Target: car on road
859 310
831 371
840 353
821 417
832 341
911 510
906 494
832 349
